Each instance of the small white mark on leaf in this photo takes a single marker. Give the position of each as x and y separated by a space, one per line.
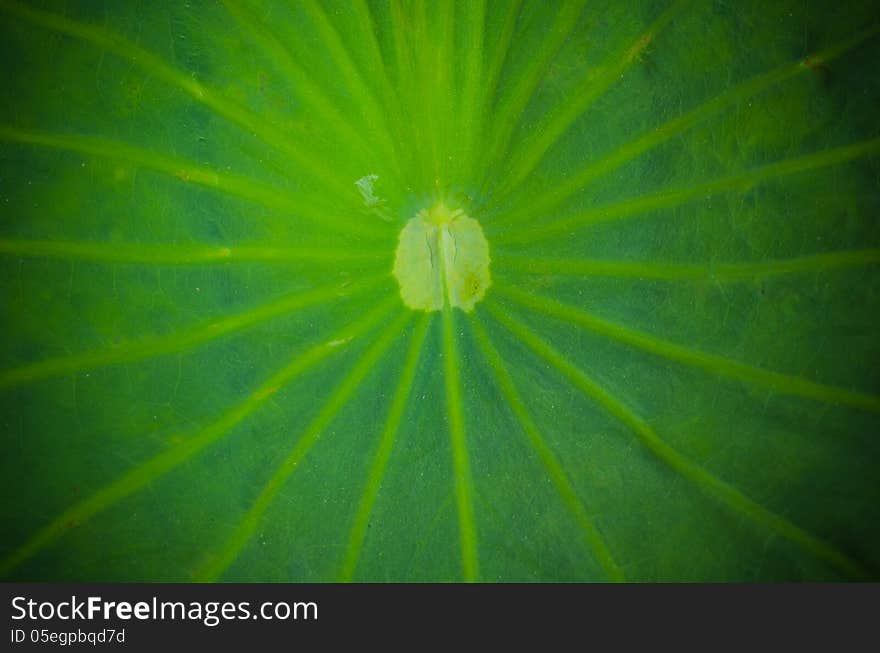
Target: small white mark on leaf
365 186
373 202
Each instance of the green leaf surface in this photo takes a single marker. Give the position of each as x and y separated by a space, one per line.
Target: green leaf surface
208 372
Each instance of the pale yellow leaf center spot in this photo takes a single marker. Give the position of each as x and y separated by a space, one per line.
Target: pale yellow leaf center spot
442 258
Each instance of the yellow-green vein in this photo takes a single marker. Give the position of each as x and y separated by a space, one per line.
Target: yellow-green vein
689 469
413 106
464 490
426 115
185 171
469 111
738 182
495 66
545 454
220 561
443 28
373 115
308 90
510 106
150 254
164 462
147 347
388 92
579 179
730 272
589 90
155 65
383 452
784 384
